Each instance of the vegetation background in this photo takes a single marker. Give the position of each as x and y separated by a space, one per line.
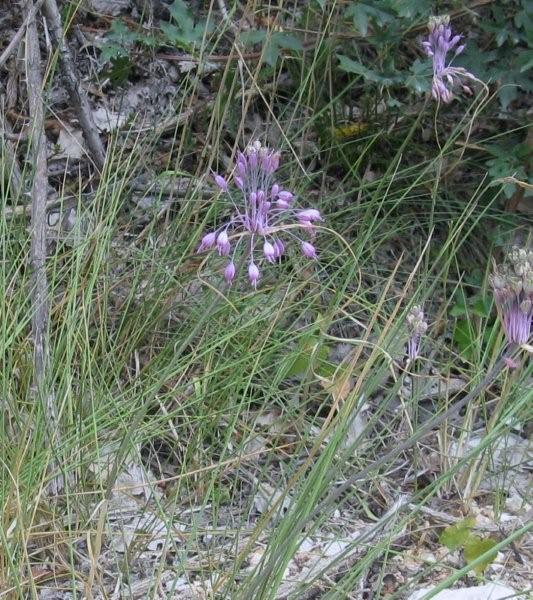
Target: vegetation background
186 440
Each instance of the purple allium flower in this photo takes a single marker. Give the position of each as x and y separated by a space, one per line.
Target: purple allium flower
308 250
417 327
229 272
512 284
221 182
253 274
263 212
441 41
208 241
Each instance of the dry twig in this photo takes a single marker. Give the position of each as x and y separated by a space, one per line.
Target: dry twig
39 293
77 94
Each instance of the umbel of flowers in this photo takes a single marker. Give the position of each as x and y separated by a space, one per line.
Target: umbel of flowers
512 284
417 327
445 77
264 217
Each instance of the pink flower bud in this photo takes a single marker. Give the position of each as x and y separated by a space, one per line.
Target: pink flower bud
221 182
282 203
286 196
308 250
241 167
239 182
229 272
223 243
253 274
208 241
275 190
309 214
279 248
269 251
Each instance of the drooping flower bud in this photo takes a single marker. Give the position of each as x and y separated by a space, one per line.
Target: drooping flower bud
279 248
286 196
221 182
223 243
309 215
229 272
208 241
308 250
269 251
253 274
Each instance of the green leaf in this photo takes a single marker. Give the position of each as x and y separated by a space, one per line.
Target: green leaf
175 36
352 66
307 356
412 9
475 547
458 310
280 40
464 336
420 76
481 307
254 36
362 13
455 536
359 16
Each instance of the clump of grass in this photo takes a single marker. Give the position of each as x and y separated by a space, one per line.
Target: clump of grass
154 366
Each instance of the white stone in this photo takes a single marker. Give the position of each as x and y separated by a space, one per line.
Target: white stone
490 591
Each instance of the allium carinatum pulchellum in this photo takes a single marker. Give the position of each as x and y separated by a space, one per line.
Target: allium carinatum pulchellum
417 327
445 77
512 283
263 216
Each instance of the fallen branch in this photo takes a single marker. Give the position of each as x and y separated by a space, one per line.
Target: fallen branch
39 294
77 94
15 40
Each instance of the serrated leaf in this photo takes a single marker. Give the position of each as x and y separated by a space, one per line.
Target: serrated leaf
359 16
464 336
455 536
458 310
351 66
481 307
280 40
420 76
475 547
249 38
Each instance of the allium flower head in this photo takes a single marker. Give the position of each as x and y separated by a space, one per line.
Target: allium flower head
261 209
417 327
439 42
512 284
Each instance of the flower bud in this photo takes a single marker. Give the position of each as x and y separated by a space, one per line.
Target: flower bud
253 274
223 243
208 241
286 196
229 272
308 215
308 250
221 182
279 248
269 251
